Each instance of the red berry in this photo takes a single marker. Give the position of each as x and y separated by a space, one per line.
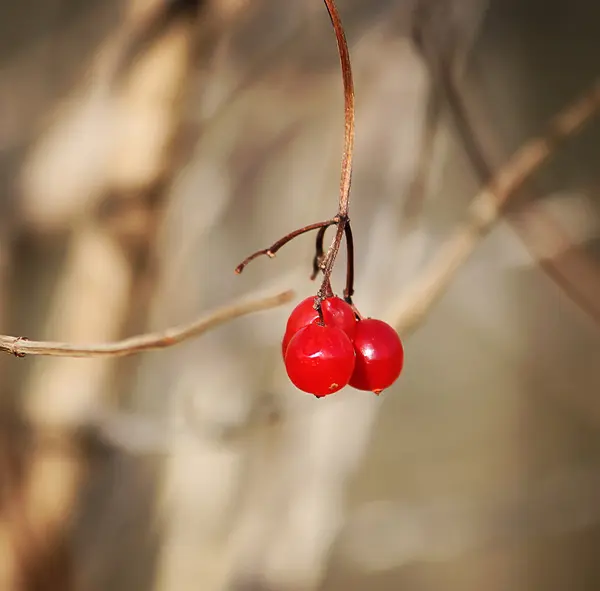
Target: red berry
336 312
320 359
379 356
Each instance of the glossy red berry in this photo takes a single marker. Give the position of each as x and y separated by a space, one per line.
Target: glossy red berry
379 356
336 312
320 359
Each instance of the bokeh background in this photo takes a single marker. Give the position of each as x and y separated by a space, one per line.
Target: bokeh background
146 147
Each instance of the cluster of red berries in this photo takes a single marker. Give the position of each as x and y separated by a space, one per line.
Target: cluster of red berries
323 355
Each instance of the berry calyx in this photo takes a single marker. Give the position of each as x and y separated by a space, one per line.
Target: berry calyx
320 359
336 312
379 356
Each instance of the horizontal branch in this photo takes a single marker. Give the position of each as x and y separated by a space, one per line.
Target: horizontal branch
21 346
484 211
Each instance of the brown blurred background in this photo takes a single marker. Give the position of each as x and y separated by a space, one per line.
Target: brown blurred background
146 147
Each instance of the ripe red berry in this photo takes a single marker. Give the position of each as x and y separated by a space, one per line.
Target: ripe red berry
320 359
379 356
336 312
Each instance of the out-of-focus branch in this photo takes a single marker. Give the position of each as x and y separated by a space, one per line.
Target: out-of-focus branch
485 210
567 264
20 346
443 48
154 21
415 198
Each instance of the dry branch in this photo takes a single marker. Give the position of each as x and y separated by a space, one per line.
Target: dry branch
485 210
20 346
578 274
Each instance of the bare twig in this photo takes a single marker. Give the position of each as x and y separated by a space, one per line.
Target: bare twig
20 346
485 210
272 250
415 198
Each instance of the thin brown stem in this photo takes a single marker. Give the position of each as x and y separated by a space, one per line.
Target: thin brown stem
319 253
346 175
329 261
349 290
20 346
272 250
347 154
318 259
325 263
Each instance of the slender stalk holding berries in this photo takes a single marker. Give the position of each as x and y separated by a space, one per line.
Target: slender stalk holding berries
325 262
319 253
348 152
347 155
349 289
329 261
327 344
21 346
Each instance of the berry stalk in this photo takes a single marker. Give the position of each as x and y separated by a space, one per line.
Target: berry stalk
326 262
348 152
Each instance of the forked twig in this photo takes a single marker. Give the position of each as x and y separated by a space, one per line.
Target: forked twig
319 255
484 211
20 346
325 263
272 250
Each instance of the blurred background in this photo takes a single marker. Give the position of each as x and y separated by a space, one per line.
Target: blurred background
148 146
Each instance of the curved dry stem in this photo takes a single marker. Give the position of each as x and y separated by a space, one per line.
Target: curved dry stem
21 346
326 263
347 154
